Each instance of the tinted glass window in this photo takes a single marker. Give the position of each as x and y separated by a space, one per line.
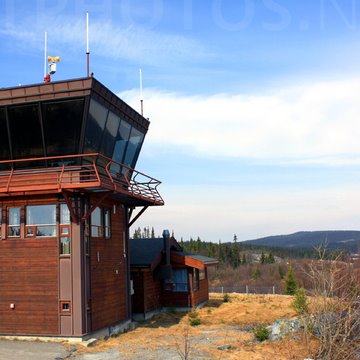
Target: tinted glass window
64 214
41 215
44 217
96 223
95 126
25 130
4 140
133 148
111 129
62 126
14 222
121 141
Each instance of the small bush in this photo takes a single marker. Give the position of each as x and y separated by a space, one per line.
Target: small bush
226 298
261 333
194 318
300 302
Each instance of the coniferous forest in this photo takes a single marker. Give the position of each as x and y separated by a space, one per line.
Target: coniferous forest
256 266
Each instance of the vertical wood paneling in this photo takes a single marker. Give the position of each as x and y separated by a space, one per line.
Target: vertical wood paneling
29 279
108 276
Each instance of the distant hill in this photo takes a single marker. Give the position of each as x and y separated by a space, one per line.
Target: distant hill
341 239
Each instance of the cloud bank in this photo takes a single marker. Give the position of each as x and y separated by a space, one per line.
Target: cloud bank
312 123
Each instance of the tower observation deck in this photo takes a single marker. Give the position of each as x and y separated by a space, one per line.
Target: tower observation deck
72 136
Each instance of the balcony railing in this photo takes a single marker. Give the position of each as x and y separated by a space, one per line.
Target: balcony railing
89 172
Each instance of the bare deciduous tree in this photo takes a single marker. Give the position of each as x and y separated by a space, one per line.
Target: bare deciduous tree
335 310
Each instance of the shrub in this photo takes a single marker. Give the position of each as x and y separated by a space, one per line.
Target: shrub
291 284
226 298
194 318
300 302
261 333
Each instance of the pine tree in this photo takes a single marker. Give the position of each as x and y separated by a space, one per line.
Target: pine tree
271 259
152 233
281 272
291 284
256 274
262 258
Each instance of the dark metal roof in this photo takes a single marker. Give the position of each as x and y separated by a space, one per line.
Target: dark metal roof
69 89
144 251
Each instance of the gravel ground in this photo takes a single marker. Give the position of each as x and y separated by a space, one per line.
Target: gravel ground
33 350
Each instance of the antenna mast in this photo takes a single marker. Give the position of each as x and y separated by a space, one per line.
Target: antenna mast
87 46
141 95
45 57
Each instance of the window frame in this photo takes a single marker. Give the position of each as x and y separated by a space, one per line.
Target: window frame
8 225
177 285
36 227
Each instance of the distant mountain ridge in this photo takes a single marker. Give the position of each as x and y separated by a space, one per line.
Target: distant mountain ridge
348 240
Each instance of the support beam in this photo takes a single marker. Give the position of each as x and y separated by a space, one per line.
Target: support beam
74 217
138 215
94 206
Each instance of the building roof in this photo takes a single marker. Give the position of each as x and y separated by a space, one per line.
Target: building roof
144 251
148 252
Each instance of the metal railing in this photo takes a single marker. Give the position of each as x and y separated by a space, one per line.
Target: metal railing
246 289
83 171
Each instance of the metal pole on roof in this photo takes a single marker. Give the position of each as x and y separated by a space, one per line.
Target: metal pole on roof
45 58
141 94
87 46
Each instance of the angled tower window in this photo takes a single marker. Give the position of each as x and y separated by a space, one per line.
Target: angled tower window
4 140
133 149
110 133
121 141
25 131
62 126
95 127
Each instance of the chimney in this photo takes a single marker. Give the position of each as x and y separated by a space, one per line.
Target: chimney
166 237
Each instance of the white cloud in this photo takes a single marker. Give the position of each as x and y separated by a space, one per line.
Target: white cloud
107 39
314 123
215 214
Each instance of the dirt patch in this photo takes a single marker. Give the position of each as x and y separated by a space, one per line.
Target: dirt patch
221 324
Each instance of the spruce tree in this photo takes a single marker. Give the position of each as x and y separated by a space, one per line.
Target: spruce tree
281 272
271 259
291 284
262 258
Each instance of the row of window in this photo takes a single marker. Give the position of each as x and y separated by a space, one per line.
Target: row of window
41 221
55 129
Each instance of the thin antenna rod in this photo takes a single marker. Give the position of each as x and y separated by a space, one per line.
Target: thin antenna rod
141 95
45 58
87 46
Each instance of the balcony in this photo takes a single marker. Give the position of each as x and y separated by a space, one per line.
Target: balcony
93 173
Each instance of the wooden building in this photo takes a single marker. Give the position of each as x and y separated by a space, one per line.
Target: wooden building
164 276
68 188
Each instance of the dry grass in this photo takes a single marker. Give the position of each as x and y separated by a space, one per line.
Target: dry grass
221 323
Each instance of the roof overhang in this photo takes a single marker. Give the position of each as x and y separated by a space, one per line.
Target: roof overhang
179 259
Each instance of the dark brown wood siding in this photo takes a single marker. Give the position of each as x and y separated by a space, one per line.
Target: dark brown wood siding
29 280
109 275
152 292
138 296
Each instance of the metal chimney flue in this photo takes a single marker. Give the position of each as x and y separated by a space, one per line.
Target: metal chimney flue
166 237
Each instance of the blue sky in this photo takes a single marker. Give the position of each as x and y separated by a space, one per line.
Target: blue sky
253 104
